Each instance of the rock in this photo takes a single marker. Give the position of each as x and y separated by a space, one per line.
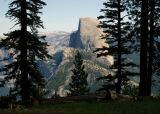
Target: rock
88 35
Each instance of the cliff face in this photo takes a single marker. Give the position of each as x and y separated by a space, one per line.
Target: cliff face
95 67
85 39
88 35
63 47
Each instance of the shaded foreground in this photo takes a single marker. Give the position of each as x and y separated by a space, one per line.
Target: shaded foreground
111 107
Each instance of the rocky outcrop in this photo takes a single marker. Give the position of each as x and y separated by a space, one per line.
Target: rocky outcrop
95 67
85 39
63 47
88 35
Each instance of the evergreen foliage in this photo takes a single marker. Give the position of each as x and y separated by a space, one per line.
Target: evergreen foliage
155 33
145 16
78 85
117 34
143 49
25 47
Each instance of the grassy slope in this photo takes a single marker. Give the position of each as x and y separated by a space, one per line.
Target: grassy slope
145 107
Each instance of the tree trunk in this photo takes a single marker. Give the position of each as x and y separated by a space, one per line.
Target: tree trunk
151 41
143 51
24 81
119 83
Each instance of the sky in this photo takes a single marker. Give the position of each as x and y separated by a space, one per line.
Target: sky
58 15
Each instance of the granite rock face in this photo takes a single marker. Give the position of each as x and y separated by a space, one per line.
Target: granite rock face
88 35
63 47
86 39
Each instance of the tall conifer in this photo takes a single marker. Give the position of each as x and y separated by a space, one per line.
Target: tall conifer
148 40
116 30
79 84
25 46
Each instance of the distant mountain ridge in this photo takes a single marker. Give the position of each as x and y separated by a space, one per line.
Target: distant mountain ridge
86 39
64 46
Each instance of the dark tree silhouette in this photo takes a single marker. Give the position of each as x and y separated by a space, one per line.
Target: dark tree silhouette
117 36
146 29
154 38
79 84
143 49
25 46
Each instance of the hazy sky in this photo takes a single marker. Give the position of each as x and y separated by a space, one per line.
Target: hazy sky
58 14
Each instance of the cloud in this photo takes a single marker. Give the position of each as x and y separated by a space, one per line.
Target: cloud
6 25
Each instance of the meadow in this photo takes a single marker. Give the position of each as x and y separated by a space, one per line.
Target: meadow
108 107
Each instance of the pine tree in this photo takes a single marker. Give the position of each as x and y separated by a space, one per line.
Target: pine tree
78 85
148 42
155 34
143 49
117 35
25 46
